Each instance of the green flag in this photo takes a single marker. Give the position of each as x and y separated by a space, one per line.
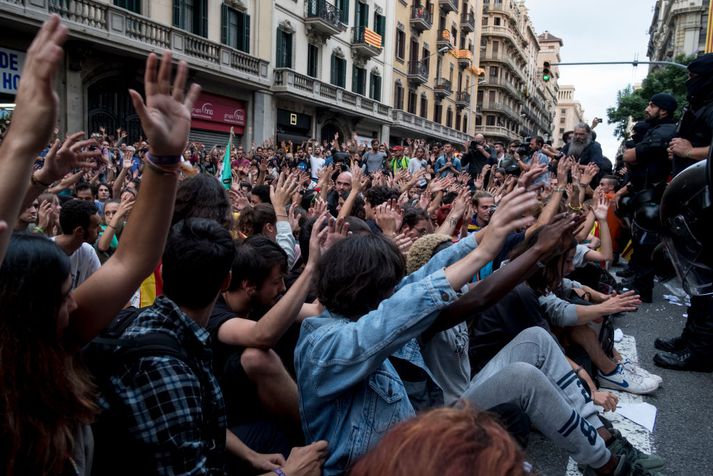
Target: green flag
227 175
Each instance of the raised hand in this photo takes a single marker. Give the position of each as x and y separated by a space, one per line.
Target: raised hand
336 229
526 180
403 242
602 208
590 171
71 155
37 103
389 217
514 212
166 115
625 302
554 236
281 195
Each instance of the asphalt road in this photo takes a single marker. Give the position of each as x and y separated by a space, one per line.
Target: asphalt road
683 434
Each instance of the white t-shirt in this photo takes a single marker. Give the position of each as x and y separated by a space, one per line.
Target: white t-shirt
83 263
316 164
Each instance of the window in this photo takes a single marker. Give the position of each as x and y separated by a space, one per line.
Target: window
424 106
491 98
380 27
398 96
437 113
339 71
493 71
343 6
450 74
489 120
496 21
361 14
563 120
284 49
457 121
359 80
131 5
412 101
426 55
496 47
478 120
400 44
235 29
561 130
312 60
465 123
563 111
485 21
375 87
191 15
449 117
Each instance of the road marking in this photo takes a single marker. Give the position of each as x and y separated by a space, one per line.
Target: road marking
637 435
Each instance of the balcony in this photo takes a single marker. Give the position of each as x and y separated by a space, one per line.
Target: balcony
412 124
417 72
323 18
465 58
462 99
103 24
444 40
497 132
467 22
367 43
501 109
421 18
448 6
293 85
442 88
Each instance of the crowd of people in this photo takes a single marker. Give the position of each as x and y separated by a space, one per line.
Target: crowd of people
329 307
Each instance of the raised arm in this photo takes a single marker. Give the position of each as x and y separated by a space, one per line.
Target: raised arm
266 332
33 121
166 119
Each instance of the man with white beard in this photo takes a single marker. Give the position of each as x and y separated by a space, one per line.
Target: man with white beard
586 150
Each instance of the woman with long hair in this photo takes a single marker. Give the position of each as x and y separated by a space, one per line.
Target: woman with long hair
47 400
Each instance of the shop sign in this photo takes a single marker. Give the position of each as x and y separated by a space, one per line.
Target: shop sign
11 62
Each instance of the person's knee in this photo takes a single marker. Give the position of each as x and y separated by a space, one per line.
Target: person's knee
259 362
522 372
536 334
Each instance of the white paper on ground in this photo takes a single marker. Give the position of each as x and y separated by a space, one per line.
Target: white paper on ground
643 414
618 335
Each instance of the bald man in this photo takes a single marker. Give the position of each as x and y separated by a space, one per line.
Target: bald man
342 187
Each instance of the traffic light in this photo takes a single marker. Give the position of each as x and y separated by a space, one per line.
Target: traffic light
546 73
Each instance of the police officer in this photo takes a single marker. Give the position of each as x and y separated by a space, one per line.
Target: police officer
686 214
649 168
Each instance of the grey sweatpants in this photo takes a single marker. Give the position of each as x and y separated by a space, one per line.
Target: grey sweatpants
532 372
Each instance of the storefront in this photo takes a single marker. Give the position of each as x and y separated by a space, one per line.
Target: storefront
11 62
213 117
293 126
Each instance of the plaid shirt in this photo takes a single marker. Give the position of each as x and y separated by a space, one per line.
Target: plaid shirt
175 413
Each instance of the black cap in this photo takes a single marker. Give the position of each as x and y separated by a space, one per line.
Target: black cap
665 101
702 65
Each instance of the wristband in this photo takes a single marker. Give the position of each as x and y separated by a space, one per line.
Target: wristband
279 472
163 160
163 169
560 190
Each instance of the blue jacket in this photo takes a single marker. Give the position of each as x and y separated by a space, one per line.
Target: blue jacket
350 392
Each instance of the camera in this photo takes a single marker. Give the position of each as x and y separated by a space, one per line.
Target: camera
523 150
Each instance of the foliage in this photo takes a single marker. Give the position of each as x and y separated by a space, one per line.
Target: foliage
630 103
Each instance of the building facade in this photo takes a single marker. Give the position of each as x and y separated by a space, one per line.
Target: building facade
513 102
435 69
109 42
678 27
332 72
568 113
549 52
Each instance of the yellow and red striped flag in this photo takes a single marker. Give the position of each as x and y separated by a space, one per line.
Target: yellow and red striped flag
372 38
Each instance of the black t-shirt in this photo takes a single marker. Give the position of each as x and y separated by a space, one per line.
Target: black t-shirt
240 394
697 127
494 328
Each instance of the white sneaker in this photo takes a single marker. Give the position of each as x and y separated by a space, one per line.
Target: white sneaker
625 380
634 367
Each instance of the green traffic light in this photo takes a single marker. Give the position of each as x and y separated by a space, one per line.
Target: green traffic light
546 77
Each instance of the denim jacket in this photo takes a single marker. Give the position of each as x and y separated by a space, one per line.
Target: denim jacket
350 392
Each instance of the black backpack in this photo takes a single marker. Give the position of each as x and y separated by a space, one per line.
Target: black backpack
114 451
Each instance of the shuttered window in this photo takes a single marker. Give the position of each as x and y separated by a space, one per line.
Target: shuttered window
284 49
235 30
375 87
339 71
191 15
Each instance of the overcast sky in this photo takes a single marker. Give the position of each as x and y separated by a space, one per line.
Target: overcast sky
605 30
